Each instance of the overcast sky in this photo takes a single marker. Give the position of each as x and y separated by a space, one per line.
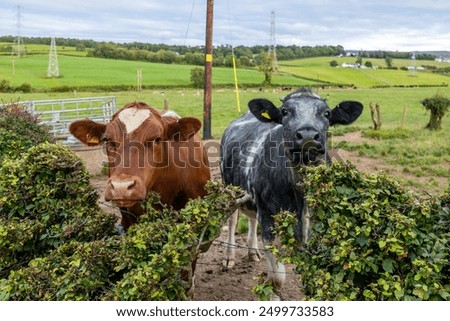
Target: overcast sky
406 25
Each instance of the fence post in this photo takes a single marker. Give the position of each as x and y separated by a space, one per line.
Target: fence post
403 115
375 119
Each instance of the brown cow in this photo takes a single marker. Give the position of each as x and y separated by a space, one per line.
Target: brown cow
148 150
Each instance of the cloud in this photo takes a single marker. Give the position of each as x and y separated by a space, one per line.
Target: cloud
385 25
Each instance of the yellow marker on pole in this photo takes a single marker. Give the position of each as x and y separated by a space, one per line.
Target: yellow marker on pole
236 85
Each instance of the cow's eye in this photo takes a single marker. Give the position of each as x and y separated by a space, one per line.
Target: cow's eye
327 114
112 144
284 111
152 141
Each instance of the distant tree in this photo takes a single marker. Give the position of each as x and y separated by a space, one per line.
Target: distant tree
245 61
267 66
437 105
197 59
368 64
388 61
80 47
197 77
359 60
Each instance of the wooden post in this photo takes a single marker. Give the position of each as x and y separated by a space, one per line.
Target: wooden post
139 79
403 115
378 115
376 120
166 104
208 71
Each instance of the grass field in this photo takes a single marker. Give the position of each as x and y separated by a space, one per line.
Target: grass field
86 72
417 157
320 70
35 49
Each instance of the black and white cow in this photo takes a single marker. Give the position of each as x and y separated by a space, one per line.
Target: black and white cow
261 152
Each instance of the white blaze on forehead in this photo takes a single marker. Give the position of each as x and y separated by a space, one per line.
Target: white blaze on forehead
133 117
170 114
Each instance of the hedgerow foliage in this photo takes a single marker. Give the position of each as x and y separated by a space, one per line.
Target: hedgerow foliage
157 254
46 200
57 244
19 130
372 240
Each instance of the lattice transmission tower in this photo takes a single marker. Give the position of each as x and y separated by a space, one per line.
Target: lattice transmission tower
18 48
53 69
272 46
413 67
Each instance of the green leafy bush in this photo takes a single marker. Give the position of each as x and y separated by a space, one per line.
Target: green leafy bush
73 271
438 106
56 244
158 254
19 130
46 200
372 240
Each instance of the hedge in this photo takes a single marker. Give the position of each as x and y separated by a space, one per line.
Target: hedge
19 130
371 239
57 244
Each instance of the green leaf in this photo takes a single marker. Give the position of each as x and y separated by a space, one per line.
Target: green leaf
387 265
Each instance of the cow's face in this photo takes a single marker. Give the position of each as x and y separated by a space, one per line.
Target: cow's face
305 118
136 141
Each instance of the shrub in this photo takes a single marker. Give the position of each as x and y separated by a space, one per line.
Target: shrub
154 260
46 200
437 105
372 240
333 63
73 271
197 77
158 255
25 88
20 130
57 244
5 86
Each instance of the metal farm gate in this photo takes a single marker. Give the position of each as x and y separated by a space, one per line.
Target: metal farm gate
59 113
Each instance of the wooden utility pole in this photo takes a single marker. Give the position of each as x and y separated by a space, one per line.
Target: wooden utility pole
208 71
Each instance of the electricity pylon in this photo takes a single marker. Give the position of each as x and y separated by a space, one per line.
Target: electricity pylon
53 69
18 49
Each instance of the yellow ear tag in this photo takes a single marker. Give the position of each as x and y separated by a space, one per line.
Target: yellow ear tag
93 140
265 115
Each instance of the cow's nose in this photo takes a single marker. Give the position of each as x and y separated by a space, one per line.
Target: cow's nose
122 185
307 134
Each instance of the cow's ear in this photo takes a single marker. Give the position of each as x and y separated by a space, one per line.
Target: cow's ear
184 128
87 131
265 110
346 113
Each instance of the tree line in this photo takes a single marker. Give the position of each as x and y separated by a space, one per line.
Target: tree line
194 55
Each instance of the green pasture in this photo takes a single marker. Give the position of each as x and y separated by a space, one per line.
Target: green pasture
420 159
413 154
35 49
87 72
319 69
